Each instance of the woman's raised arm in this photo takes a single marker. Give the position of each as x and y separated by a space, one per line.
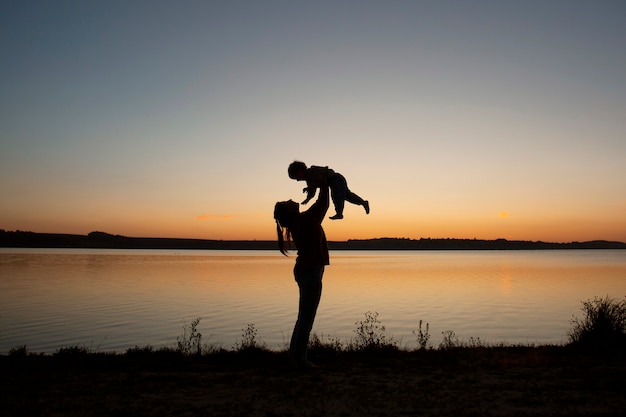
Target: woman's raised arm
318 210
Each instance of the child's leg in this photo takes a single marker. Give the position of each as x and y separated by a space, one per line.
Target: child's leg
338 188
355 199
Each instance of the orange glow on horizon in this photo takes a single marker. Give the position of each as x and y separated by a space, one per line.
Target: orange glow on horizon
264 229
356 225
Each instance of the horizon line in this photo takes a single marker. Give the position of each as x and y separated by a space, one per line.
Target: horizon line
97 232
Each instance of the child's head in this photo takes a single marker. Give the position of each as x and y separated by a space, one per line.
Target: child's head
297 170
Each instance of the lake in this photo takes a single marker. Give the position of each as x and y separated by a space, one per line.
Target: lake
111 300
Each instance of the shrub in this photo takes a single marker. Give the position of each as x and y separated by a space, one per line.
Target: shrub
449 341
371 334
604 324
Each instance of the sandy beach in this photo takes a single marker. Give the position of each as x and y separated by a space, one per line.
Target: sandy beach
509 381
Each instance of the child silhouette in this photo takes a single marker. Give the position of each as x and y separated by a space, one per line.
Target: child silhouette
317 176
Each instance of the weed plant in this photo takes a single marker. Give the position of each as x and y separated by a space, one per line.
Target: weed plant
190 342
249 340
423 337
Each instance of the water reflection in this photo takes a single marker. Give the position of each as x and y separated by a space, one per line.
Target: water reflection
119 299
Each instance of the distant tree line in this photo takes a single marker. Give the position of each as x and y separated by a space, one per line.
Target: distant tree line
101 240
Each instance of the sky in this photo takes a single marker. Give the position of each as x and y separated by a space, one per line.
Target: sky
454 119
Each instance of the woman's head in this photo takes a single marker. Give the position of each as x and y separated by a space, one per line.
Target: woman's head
284 213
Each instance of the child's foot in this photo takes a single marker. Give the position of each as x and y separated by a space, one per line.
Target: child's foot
336 217
366 206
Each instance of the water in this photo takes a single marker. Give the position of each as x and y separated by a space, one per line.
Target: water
115 299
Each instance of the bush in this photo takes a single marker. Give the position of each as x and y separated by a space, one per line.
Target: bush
604 324
449 341
371 334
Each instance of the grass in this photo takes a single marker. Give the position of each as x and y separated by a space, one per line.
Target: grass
602 327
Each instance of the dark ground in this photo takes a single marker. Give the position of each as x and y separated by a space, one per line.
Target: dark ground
509 381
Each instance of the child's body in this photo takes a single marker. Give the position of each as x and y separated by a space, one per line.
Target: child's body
316 176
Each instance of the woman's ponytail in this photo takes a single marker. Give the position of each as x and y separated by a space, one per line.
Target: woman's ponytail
281 239
283 220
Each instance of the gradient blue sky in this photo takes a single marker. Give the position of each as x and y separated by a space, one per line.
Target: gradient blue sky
486 119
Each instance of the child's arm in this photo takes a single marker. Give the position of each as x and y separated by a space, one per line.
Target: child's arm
310 193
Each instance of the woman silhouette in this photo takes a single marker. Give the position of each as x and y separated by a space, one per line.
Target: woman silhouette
306 232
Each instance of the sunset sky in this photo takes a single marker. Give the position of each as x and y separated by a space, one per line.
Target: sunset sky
461 119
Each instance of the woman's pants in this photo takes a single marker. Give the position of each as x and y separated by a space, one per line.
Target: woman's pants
310 286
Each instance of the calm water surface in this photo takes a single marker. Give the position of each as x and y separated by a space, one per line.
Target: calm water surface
116 299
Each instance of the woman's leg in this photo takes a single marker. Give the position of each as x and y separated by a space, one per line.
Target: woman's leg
310 286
